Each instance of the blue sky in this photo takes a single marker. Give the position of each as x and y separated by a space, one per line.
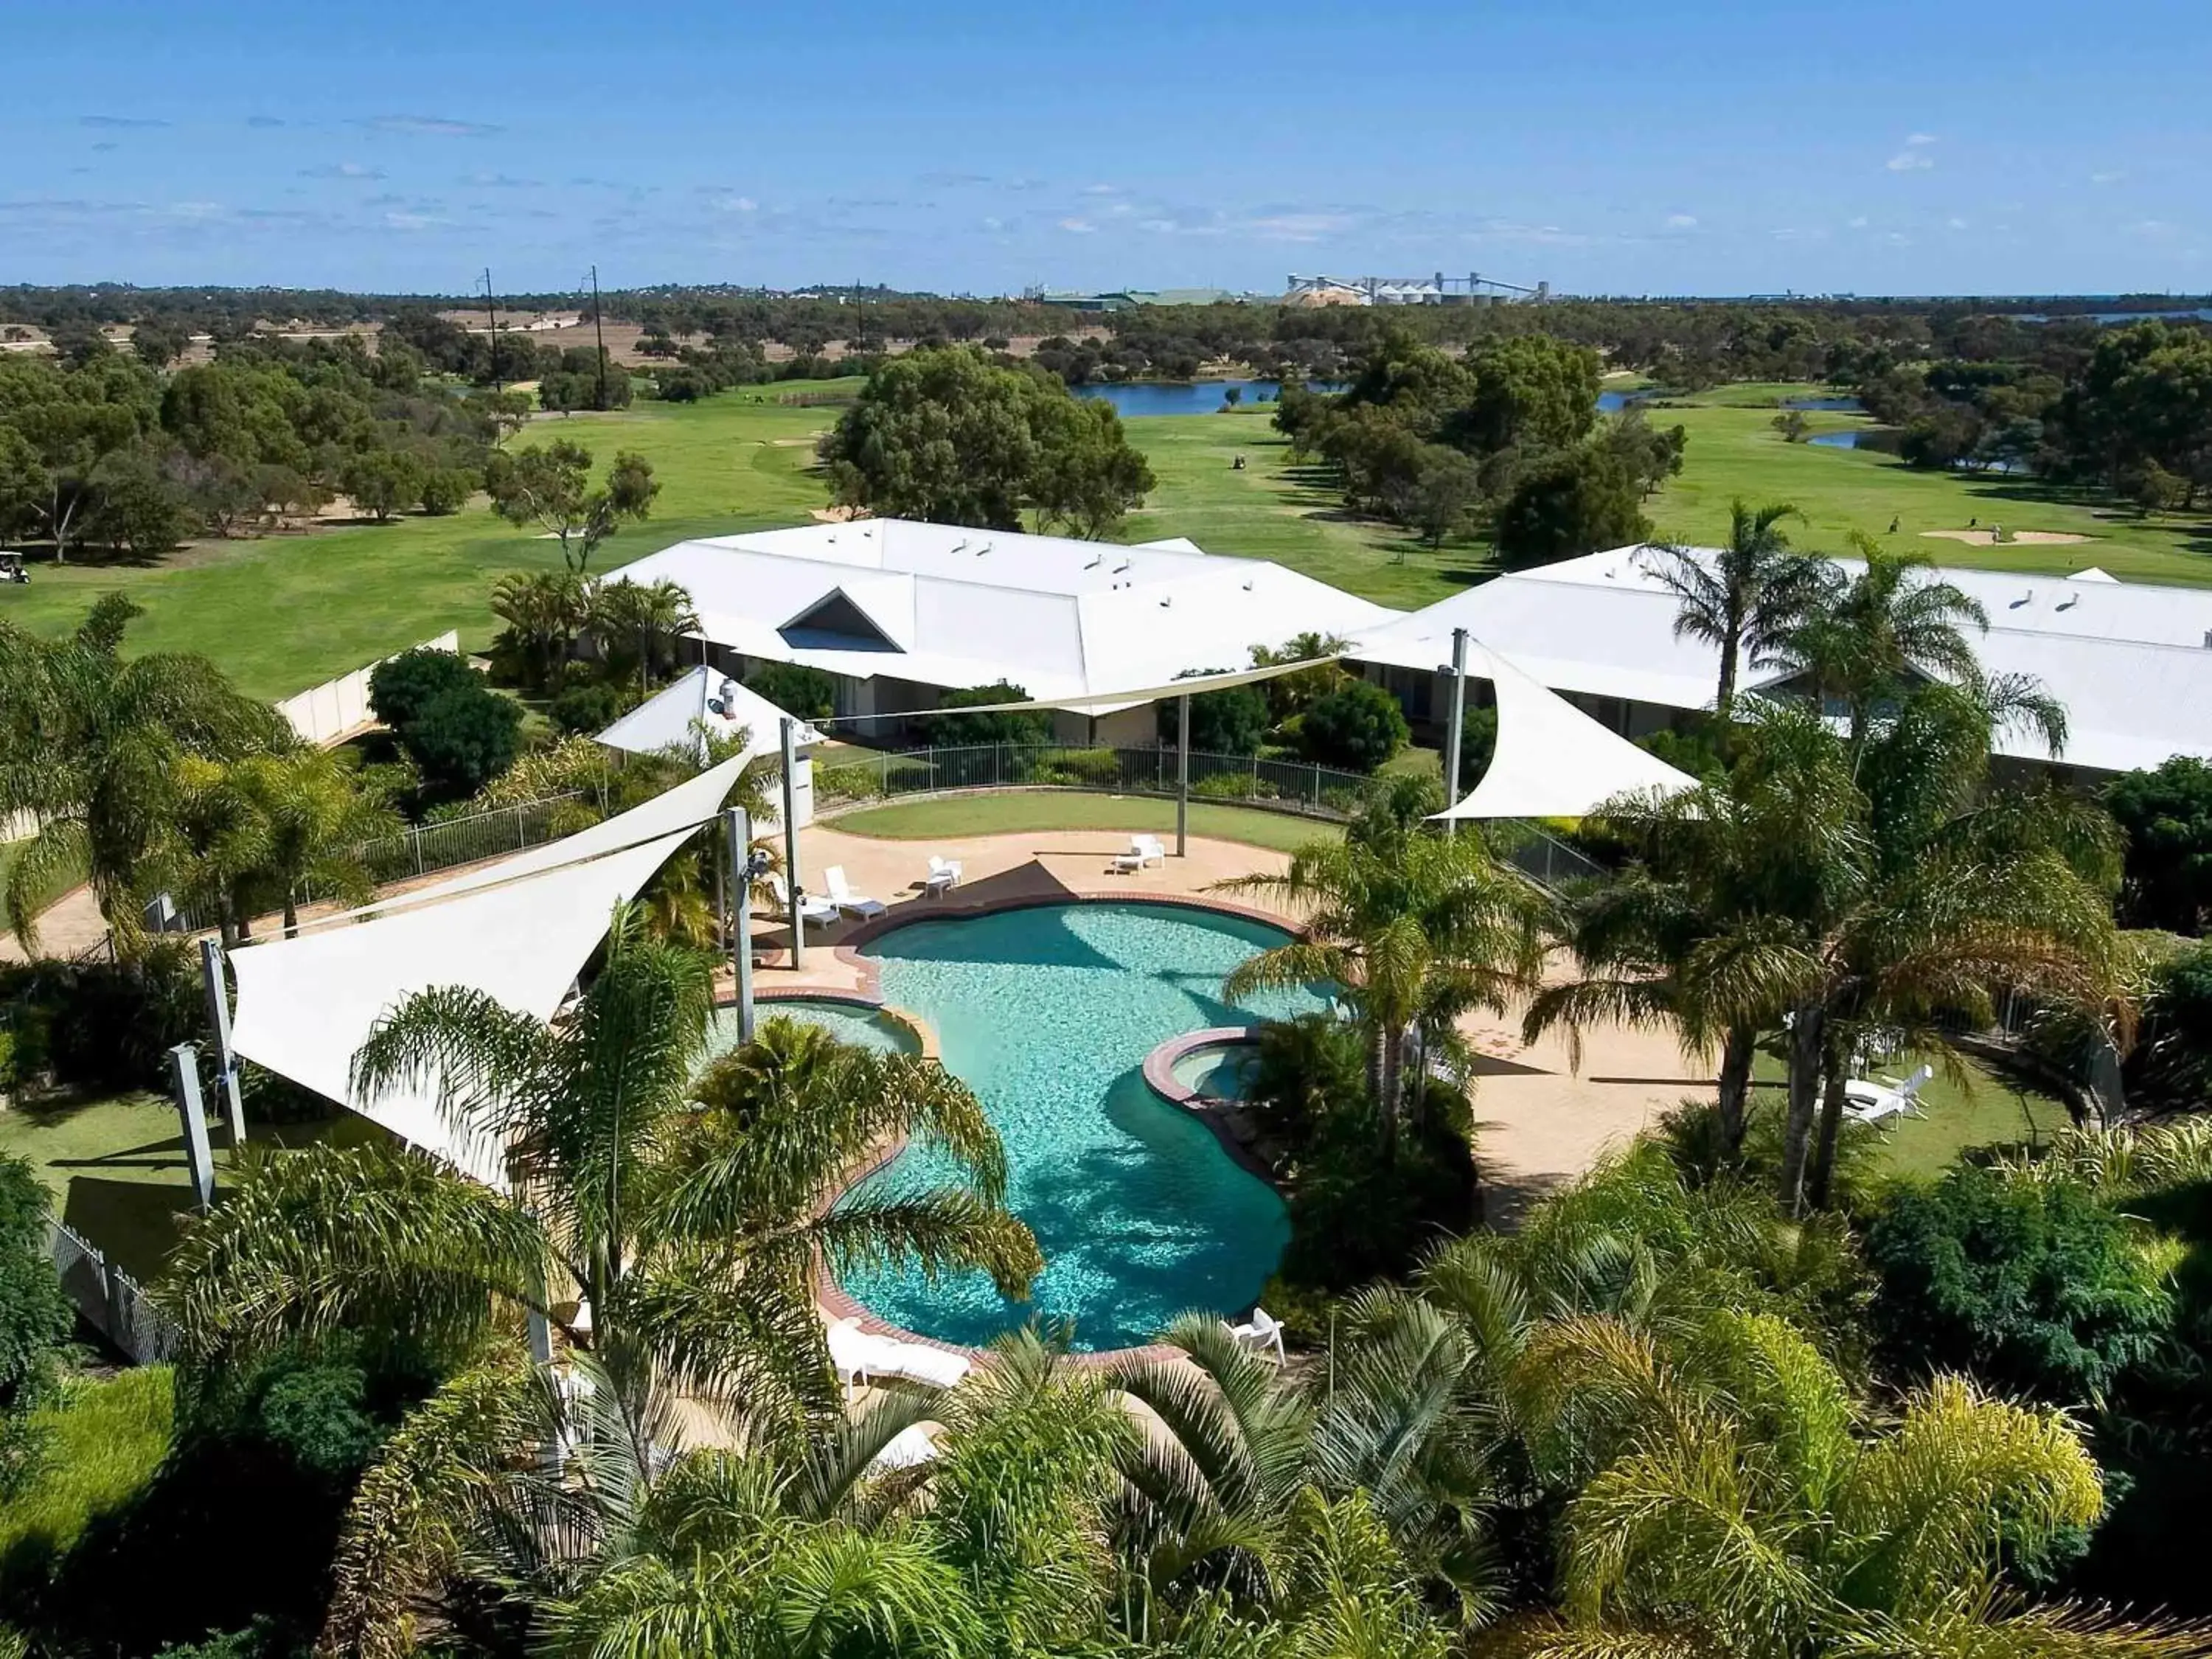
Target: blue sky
1721 147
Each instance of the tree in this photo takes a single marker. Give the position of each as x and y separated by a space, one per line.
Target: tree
1741 602
316 821
400 688
1416 932
89 744
382 482
947 435
136 508
464 738
1358 726
1446 492
550 486
1532 392
1572 502
2166 823
1230 722
1028 726
682 1208
545 611
643 617
1087 479
804 693
36 1319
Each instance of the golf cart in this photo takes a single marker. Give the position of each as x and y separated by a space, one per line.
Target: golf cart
11 568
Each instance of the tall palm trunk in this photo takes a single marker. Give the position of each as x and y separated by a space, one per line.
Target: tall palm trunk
1806 1045
1390 1064
1726 696
1738 1048
1821 1178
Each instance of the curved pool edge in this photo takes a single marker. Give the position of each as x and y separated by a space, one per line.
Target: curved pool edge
923 1033
831 1297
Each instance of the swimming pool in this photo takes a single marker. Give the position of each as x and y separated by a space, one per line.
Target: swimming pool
848 1022
1048 1013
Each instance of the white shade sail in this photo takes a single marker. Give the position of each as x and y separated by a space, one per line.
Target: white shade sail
519 931
670 718
1552 760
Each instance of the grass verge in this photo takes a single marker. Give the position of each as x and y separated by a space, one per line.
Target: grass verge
948 816
104 1439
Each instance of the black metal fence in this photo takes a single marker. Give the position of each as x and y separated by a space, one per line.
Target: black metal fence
108 1300
1299 787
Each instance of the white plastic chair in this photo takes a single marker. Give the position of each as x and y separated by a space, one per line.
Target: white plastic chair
1143 850
1259 1335
944 875
858 1357
842 895
1870 1103
813 909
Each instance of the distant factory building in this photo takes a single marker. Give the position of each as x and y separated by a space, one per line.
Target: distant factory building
1472 289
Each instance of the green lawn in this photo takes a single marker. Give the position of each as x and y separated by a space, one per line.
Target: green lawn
1019 813
116 1167
283 613
1957 1114
107 1435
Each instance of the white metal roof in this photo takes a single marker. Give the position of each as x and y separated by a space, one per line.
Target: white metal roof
2130 661
951 607
668 719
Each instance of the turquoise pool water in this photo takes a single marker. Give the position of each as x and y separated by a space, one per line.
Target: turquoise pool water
1048 1014
848 1022
1222 1071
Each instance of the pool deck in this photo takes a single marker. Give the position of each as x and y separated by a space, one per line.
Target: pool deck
1540 1121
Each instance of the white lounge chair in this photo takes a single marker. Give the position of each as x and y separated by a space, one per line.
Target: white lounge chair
813 909
858 1357
1143 850
944 875
1261 1333
842 895
1871 1103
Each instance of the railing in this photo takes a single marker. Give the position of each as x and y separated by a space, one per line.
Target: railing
1299 787
110 1300
421 848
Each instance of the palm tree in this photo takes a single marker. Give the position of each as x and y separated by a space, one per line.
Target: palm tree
545 609
316 824
666 1219
645 612
1415 932
89 747
1739 601
1865 640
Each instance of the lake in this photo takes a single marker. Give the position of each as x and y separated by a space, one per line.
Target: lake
1835 440
1184 396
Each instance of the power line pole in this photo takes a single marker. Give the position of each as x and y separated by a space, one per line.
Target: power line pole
492 310
600 335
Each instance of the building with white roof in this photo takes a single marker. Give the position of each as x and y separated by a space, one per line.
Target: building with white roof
2131 662
897 613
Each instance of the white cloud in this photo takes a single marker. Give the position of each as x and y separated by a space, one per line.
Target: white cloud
1078 227
412 220
2112 177
1956 222
1859 223
342 170
1920 138
993 224
1911 161
1682 222
1101 190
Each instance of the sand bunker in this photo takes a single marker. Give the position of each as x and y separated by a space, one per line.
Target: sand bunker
837 514
2016 538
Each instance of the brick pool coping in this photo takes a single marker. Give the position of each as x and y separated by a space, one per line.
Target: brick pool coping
829 1294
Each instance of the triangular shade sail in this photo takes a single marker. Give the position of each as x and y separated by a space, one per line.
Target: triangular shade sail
306 1005
519 931
1552 760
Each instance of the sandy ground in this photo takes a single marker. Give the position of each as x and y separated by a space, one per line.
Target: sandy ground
1541 1121
2016 538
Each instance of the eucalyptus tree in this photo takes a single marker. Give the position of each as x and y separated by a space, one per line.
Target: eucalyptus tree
91 744
1740 601
1415 931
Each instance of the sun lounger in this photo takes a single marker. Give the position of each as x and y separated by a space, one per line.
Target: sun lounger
861 1357
1871 1103
1143 850
1261 1333
817 911
944 875
842 895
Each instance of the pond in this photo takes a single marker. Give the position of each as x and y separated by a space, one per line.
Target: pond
1185 396
1829 405
1848 439
1048 1013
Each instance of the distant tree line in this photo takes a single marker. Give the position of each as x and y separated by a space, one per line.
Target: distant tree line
103 450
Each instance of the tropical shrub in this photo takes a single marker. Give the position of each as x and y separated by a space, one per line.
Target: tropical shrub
585 710
35 1319
1358 727
1230 722
2032 1285
464 737
1019 726
105 1026
400 688
2166 817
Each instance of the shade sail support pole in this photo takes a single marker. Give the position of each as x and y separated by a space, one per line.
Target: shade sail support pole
741 919
1182 775
791 844
1457 726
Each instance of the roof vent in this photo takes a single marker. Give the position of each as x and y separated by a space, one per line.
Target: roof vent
1166 602
1247 584
960 546
2069 602
2027 597
1119 567
2207 639
981 551
1097 559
